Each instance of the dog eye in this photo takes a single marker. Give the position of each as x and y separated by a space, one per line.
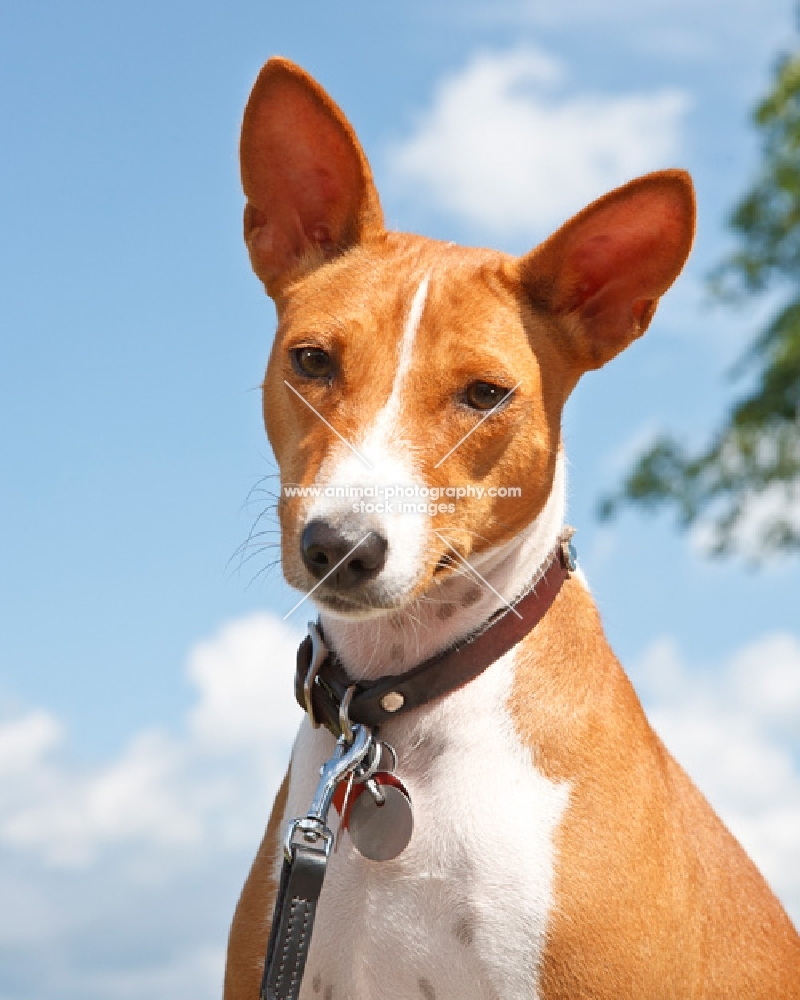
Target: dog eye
485 395
312 362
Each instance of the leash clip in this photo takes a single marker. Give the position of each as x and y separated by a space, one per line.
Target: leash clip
314 825
307 832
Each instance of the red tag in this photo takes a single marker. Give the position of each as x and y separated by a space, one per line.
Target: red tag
380 778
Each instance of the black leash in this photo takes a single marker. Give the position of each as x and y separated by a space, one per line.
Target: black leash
301 884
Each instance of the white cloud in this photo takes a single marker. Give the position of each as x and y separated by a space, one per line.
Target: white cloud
504 148
687 29
23 741
245 678
766 677
186 976
164 790
119 880
565 11
736 730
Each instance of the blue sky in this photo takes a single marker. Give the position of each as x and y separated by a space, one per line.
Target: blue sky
145 708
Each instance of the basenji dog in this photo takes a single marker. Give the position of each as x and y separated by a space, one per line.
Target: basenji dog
558 850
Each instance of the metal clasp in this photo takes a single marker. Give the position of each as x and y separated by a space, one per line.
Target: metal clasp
569 554
318 653
345 724
346 758
313 833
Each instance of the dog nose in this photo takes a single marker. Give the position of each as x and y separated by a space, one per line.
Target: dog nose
325 547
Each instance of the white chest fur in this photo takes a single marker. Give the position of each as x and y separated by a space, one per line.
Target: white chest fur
462 914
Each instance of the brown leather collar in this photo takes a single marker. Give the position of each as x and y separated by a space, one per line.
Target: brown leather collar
331 698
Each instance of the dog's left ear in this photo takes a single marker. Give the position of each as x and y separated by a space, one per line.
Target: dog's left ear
602 273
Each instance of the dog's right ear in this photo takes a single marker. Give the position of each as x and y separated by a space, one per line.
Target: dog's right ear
308 184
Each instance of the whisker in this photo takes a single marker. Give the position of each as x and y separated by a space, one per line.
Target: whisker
252 555
264 569
259 534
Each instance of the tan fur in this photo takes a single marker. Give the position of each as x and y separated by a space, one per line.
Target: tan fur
653 897
249 933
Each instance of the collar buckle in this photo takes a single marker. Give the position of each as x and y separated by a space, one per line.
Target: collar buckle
567 551
319 652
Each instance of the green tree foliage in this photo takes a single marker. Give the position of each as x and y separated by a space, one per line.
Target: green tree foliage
751 467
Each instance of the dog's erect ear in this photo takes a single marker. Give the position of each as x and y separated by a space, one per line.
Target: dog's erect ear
307 182
602 273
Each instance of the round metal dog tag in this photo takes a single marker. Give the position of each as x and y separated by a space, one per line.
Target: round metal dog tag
381 832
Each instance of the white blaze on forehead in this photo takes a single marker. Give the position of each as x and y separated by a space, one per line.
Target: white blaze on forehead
383 426
412 325
390 455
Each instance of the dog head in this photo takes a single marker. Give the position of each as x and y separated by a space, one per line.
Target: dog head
407 372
